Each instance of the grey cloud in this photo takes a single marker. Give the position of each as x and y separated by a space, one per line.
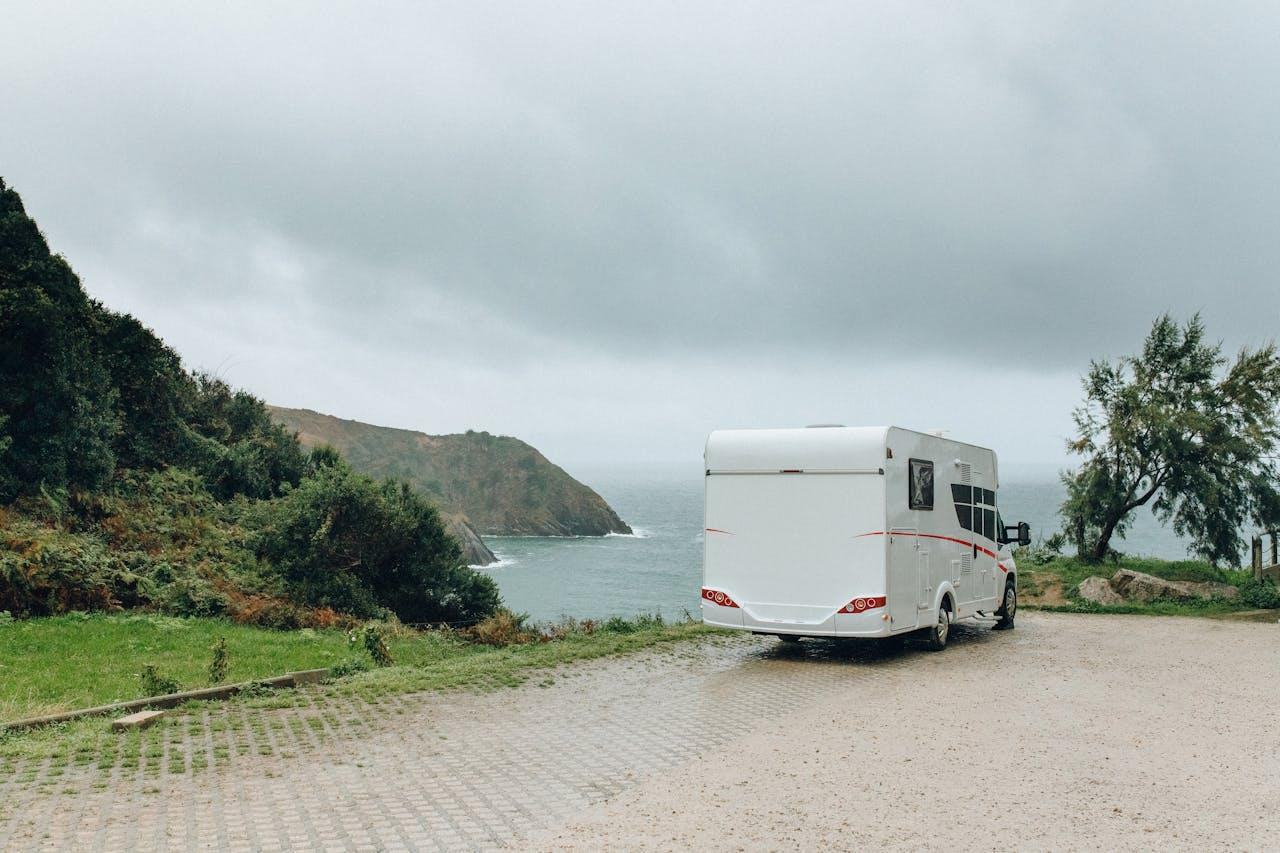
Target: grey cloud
1023 184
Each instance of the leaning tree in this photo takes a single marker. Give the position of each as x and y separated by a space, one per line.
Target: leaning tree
1180 428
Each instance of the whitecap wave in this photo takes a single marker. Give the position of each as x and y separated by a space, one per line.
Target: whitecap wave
636 533
502 563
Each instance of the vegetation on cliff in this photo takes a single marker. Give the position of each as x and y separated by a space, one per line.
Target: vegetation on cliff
127 481
500 484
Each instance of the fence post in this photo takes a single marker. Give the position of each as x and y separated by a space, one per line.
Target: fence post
1255 556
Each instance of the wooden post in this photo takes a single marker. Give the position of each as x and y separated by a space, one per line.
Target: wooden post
1255 556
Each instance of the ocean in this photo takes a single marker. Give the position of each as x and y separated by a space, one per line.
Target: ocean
659 568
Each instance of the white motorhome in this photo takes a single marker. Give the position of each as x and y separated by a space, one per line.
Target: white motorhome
853 532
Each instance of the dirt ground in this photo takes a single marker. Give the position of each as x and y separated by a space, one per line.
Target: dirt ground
1072 732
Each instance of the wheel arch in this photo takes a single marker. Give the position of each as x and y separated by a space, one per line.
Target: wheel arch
946 595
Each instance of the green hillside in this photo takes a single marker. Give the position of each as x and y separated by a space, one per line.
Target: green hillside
127 481
502 485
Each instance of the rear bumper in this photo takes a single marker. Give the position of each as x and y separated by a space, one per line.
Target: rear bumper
871 623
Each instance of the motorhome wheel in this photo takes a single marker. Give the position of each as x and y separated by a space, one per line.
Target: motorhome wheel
937 635
1009 609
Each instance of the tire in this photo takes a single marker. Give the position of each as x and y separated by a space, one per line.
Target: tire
936 637
1008 607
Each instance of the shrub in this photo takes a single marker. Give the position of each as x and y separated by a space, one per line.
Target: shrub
191 595
503 628
343 540
349 667
370 636
45 571
265 611
1260 593
155 683
221 662
618 625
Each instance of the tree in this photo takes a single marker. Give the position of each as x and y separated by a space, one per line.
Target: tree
1169 428
238 448
57 400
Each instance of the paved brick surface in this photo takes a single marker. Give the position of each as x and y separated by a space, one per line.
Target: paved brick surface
431 771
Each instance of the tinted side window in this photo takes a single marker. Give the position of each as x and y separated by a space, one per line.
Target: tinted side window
920 485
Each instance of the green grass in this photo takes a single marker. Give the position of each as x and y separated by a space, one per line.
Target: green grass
1038 578
77 661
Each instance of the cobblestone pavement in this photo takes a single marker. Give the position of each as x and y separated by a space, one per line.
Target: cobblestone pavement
437 770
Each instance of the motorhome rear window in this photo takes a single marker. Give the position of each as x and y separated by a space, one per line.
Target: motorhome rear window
921 486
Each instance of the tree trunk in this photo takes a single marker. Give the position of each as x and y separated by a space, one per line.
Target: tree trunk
1103 544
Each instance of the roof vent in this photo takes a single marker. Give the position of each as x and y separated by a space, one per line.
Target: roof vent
823 426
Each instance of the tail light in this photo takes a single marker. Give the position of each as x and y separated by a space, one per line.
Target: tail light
715 596
861 605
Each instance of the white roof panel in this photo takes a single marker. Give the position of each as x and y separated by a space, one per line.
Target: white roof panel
811 449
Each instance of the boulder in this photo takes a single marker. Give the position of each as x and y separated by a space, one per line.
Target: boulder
1214 589
1138 586
1099 591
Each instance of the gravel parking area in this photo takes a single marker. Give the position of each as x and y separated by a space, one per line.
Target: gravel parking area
1070 732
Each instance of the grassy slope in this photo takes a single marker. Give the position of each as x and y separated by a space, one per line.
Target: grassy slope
501 484
1052 585
67 662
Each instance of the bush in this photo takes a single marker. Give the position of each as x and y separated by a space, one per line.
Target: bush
265 611
503 628
344 541
618 625
1260 593
155 683
220 664
348 667
45 571
370 636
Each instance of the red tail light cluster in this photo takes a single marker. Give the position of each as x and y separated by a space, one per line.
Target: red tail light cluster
715 596
860 605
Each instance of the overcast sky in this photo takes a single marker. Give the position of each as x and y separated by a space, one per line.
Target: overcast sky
608 228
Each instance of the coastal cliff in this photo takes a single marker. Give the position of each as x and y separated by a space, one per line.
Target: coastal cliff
494 485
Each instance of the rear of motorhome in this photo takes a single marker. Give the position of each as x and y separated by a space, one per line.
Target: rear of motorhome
853 532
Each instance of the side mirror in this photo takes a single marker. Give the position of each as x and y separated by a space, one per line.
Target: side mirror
1020 534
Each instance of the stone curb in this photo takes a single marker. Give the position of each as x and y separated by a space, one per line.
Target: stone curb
172 700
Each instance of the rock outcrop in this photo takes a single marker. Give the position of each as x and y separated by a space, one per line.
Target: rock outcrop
1138 586
473 548
1128 585
1099 591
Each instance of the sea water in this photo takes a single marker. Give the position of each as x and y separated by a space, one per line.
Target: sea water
659 568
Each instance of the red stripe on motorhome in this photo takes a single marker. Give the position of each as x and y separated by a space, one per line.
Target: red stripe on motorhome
992 554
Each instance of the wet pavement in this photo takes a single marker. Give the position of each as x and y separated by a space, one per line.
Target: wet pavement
439 770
